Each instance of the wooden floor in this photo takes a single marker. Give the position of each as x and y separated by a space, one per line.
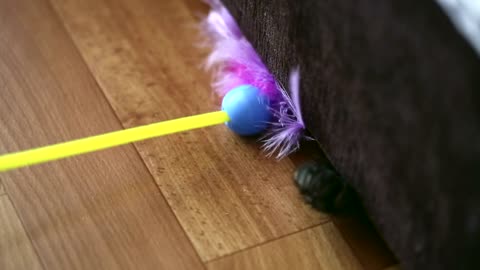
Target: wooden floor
204 199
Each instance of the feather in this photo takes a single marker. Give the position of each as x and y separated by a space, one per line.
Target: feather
234 62
286 132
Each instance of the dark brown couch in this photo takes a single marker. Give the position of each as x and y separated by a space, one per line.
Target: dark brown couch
391 91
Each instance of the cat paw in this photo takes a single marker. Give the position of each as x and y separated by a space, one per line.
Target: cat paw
323 188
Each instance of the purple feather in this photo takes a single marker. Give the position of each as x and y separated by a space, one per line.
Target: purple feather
233 59
285 134
234 62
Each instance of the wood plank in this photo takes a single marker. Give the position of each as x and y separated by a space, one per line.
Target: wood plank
225 193
321 247
97 211
16 251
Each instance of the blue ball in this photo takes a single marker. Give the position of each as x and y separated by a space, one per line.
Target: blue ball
248 110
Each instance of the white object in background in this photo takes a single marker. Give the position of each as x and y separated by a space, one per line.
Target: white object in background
465 15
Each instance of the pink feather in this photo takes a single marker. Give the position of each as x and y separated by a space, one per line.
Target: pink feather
234 62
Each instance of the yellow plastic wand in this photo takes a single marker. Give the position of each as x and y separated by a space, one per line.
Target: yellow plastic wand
108 140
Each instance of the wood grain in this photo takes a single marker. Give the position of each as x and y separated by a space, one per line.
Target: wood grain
16 251
97 211
225 193
2 189
321 247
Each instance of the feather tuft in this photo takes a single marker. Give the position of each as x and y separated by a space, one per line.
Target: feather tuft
288 130
234 62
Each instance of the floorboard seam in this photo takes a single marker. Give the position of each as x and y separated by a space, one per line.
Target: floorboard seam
324 222
29 237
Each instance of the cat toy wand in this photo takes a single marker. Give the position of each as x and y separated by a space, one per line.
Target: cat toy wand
245 110
252 102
